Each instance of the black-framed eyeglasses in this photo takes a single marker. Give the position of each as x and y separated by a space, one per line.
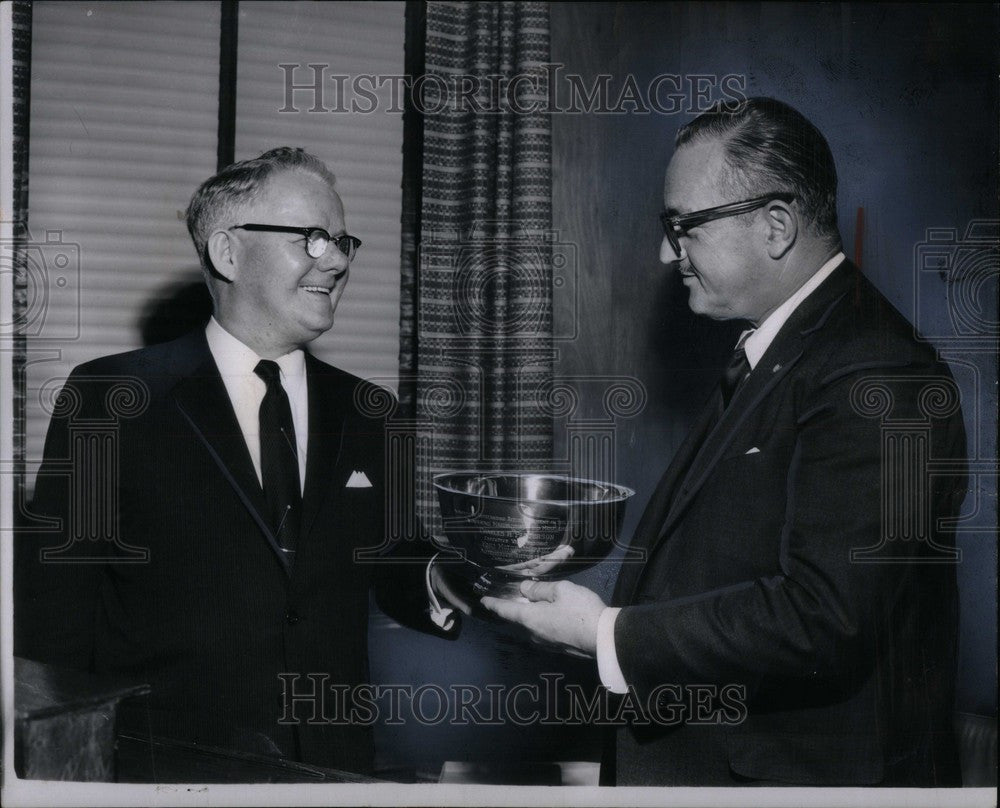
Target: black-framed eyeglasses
317 239
675 225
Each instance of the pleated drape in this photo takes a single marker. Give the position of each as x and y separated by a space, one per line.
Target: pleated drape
477 312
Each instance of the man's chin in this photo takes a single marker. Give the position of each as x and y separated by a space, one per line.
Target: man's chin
696 300
312 328
703 308
318 316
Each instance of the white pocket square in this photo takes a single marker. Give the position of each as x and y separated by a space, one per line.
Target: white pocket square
754 450
358 480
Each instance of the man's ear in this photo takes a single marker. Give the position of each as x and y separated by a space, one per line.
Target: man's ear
782 228
221 255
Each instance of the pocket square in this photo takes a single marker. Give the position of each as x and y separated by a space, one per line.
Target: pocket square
754 450
358 480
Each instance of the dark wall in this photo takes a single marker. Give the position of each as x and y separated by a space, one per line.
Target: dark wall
907 97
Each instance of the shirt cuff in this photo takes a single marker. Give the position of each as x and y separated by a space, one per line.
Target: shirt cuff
607 658
441 616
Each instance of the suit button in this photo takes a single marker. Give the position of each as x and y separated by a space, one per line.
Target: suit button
292 618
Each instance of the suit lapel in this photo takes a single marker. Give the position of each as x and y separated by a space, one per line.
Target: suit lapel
329 398
204 403
653 518
761 382
687 474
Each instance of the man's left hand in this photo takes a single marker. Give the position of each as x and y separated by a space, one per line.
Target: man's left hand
560 614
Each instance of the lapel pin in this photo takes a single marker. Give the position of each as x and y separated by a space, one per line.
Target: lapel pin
776 369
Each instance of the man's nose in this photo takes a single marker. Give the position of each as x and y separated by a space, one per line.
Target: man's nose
668 255
333 260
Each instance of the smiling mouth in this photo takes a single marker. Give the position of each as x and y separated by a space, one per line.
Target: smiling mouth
318 289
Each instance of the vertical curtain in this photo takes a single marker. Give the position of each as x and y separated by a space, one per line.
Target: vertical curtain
477 315
21 52
413 161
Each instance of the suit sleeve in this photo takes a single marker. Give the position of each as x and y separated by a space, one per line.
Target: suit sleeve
401 589
399 574
818 617
56 595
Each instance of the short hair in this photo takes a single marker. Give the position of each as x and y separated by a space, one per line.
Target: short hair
771 146
217 202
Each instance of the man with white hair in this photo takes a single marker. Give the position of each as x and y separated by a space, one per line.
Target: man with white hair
248 473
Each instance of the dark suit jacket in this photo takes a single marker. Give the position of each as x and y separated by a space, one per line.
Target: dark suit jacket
843 664
190 591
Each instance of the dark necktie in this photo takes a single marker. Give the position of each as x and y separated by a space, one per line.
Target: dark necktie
734 375
279 463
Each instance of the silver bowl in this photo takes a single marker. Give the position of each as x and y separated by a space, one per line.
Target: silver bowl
511 526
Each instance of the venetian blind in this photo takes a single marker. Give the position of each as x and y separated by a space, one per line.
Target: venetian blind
346 47
123 122
124 107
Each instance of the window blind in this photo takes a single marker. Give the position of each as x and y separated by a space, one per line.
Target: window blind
122 129
364 149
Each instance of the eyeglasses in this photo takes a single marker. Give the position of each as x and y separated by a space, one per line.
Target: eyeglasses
317 239
676 225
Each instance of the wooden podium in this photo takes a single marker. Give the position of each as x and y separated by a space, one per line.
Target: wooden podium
65 722
65 729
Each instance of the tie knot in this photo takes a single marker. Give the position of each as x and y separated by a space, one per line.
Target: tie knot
269 371
738 359
742 341
735 373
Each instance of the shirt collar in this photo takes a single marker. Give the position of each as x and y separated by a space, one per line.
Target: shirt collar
236 359
756 341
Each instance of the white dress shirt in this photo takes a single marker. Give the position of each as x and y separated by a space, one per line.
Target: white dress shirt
246 391
236 363
755 342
